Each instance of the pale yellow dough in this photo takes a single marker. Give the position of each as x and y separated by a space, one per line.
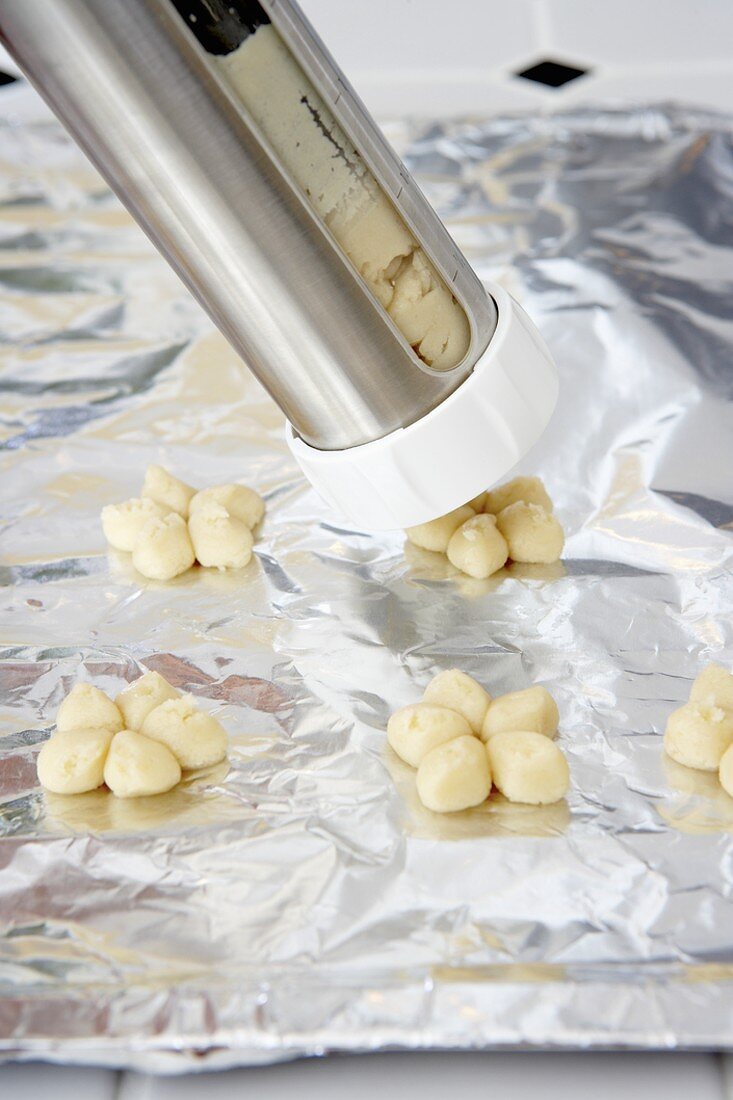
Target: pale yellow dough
72 761
163 548
219 540
196 739
137 767
240 502
436 534
122 523
532 709
713 687
478 503
697 736
87 707
530 490
414 730
163 487
454 776
528 767
460 692
136 701
478 548
725 773
531 532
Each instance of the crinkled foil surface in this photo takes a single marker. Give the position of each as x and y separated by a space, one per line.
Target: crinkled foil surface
302 901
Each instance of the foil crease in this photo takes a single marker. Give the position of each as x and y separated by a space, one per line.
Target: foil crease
301 901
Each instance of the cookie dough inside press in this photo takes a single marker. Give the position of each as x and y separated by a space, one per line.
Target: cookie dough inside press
136 701
530 490
454 776
219 539
240 501
163 548
137 767
436 534
531 532
87 707
478 547
196 739
713 687
414 730
72 761
163 487
335 180
532 709
698 735
460 692
122 523
528 767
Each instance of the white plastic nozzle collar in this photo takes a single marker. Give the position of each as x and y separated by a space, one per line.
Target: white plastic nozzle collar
465 445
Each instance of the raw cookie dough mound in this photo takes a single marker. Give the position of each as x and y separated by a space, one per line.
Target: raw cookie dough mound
240 502
532 533
163 548
86 707
454 776
531 709
436 534
478 503
167 490
136 701
196 739
460 692
713 687
697 736
72 761
122 523
528 767
530 490
219 540
137 767
478 548
725 773
414 730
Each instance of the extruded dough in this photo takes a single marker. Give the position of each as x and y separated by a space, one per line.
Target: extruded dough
163 548
220 540
460 692
162 486
478 547
713 687
436 534
478 503
72 761
136 701
530 490
137 767
122 523
86 707
725 773
697 736
196 739
240 501
414 730
528 767
532 709
532 533
454 776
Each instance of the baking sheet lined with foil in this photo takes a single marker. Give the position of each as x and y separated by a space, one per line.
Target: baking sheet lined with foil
301 901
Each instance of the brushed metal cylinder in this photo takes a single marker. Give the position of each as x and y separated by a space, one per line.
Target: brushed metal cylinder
140 96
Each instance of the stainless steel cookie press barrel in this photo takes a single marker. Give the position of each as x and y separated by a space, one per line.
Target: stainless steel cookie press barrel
389 433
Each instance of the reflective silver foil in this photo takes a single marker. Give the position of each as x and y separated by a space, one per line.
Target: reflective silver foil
302 901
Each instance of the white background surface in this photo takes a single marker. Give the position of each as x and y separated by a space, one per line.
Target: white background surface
443 57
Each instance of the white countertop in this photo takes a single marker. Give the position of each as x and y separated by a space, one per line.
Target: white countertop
464 62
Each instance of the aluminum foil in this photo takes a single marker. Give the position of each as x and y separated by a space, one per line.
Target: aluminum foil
301 901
